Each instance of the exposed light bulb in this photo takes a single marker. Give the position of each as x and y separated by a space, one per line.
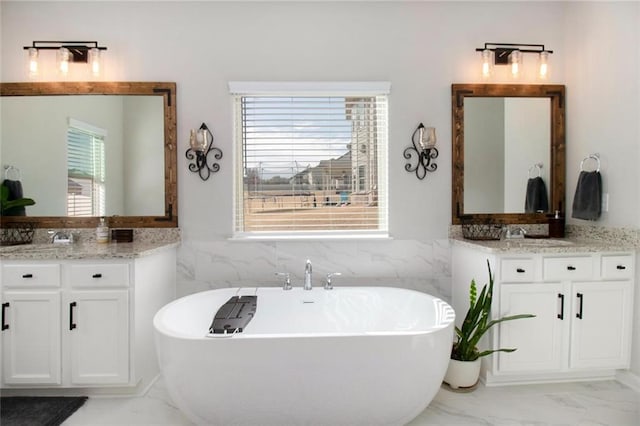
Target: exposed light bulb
64 56
515 60
33 62
95 61
543 65
487 63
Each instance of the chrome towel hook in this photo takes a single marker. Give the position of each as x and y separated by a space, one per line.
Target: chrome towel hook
538 167
595 157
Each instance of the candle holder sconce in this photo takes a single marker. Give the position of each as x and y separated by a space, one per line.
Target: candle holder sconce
422 152
200 146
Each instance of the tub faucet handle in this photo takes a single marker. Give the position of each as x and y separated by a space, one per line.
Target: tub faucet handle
328 285
287 280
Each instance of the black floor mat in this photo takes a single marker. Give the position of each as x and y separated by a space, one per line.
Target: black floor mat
37 411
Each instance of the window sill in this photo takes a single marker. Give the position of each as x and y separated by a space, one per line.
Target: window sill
310 236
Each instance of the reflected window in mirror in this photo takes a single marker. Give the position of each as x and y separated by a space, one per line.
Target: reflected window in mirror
85 169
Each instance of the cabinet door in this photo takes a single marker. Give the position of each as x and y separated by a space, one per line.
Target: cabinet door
601 325
98 326
31 337
538 341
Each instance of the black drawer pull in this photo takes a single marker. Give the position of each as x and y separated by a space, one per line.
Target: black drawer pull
561 314
520 271
621 267
5 305
97 276
27 275
72 325
571 268
579 314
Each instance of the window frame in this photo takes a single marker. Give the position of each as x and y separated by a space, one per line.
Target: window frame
98 190
316 89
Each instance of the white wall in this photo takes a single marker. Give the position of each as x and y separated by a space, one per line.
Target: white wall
484 150
143 144
420 47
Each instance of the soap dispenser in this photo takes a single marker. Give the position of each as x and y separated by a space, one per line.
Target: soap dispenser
102 231
556 226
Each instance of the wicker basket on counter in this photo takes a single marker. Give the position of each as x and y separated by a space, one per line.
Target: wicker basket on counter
14 233
474 229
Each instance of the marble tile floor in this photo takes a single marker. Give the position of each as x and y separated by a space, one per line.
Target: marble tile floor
589 403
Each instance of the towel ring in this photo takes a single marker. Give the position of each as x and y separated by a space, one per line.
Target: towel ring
537 166
590 157
11 169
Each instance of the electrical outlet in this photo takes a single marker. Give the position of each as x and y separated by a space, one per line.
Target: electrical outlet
605 202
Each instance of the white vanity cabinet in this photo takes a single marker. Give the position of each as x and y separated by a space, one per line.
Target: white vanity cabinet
83 323
31 336
583 304
98 326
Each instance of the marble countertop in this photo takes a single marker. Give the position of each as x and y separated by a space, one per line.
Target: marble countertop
86 250
549 245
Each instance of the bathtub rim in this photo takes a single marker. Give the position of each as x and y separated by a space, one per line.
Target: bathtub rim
159 327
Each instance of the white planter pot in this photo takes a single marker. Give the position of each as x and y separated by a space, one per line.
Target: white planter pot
462 374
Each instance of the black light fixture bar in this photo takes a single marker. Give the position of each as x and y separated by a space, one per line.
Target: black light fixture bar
79 49
503 50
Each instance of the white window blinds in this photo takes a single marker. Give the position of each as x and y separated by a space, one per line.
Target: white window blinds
311 163
86 170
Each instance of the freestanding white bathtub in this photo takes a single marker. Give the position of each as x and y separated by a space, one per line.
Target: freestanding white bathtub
351 355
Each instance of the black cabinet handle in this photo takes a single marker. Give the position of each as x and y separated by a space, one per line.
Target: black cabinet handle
561 314
571 268
27 276
97 276
5 305
72 325
579 314
520 271
621 267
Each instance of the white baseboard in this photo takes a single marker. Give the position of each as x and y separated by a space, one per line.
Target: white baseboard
630 379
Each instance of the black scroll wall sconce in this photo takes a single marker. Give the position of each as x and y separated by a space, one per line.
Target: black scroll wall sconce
422 152
200 146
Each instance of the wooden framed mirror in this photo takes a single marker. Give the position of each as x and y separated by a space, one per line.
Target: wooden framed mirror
137 124
503 135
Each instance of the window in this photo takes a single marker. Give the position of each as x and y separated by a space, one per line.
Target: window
310 160
85 169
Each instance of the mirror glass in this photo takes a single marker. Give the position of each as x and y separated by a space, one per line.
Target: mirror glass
508 146
83 150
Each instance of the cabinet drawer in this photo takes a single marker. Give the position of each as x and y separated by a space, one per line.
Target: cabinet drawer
517 270
99 275
567 268
617 266
36 275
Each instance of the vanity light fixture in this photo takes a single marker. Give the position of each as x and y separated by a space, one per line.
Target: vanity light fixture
511 54
424 150
200 146
88 52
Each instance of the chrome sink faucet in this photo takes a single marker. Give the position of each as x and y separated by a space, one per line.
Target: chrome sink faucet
308 270
61 237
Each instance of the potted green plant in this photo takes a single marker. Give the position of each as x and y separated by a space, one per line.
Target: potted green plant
464 365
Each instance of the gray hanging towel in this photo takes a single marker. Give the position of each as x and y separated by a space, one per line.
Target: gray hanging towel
536 199
15 193
587 201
